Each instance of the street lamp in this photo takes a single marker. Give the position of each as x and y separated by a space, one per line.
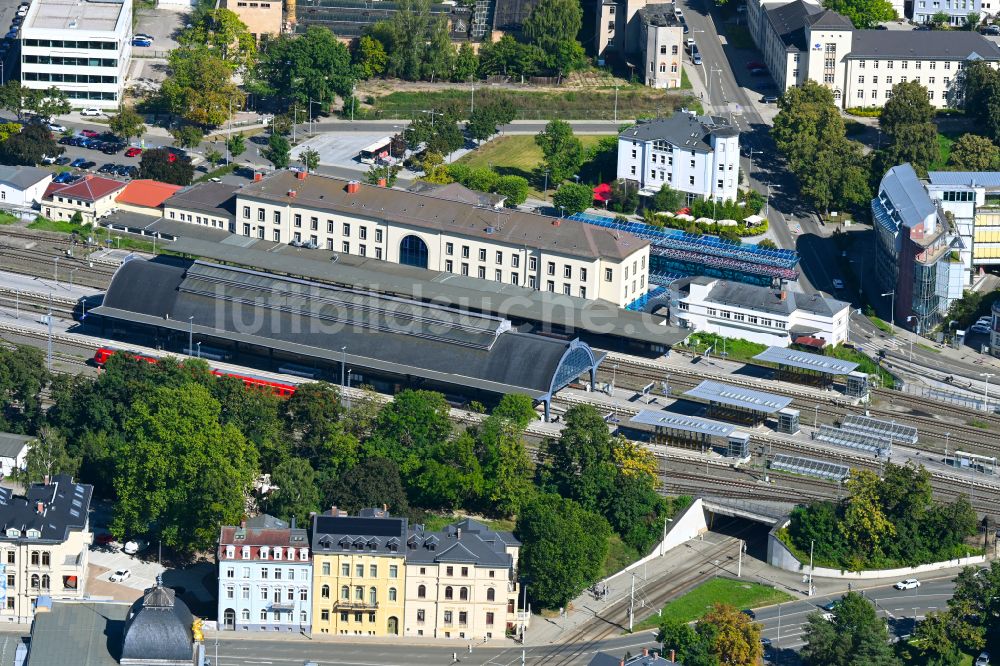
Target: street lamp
190 334
916 327
73 270
986 390
545 185
56 274
892 311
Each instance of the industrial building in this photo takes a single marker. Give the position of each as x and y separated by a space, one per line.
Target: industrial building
263 320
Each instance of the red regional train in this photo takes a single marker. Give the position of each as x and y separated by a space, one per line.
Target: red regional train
280 389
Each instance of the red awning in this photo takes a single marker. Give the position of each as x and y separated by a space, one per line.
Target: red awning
602 192
809 341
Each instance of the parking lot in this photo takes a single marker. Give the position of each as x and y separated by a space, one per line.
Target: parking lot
340 149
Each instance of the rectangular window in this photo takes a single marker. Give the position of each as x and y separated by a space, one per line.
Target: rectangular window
449 248
550 268
498 275
314 223
608 274
465 252
363 233
378 235
482 254
532 263
359 570
329 226
297 220
499 257
393 571
347 229
346 247
481 272
260 215
345 569
246 212
373 570
567 271
465 269
449 266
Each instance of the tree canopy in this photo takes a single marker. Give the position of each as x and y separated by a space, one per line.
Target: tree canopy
562 151
200 87
156 164
298 68
972 152
855 635
907 120
864 14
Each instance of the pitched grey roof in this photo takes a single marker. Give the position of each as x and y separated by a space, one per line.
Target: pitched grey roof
830 20
922 45
683 130
22 177
213 198
789 22
12 444
371 532
987 179
763 299
328 194
465 542
457 192
159 627
906 194
78 633
64 508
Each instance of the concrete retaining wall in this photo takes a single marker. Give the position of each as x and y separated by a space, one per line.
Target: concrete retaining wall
779 556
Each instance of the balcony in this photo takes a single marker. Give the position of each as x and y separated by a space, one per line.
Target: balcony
343 605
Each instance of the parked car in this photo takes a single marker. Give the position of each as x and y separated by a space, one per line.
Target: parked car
907 584
63 178
65 141
142 35
133 152
78 162
837 283
91 112
120 576
758 71
46 159
108 168
141 42
12 34
769 99
62 161
56 127
979 328
749 613
983 659
753 64
134 546
689 42
696 58
90 134
831 606
88 165
111 148
985 319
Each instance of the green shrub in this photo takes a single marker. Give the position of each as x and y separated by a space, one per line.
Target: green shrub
514 188
865 112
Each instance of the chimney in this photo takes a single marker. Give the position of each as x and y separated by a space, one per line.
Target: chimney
353 186
39 507
333 510
257 177
243 524
293 522
301 175
645 652
292 193
621 662
382 182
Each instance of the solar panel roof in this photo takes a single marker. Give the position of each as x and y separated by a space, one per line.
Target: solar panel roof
810 467
682 422
887 431
738 396
806 361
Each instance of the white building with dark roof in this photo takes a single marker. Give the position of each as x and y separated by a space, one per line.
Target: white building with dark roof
696 155
22 186
13 452
802 41
772 316
461 582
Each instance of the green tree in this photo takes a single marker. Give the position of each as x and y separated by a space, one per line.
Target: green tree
678 636
624 196
768 244
552 26
310 159
667 199
972 20
310 66
563 152
199 87
221 31
127 123
439 54
214 157
932 638
981 93
509 57
178 456
47 456
855 635
8 130
940 19
27 147
513 188
51 103
482 179
564 548
372 482
446 475
187 136
466 63
382 174
907 118
295 493
734 637
972 152
864 14
573 198
237 145
505 462
369 57
865 527
156 164
412 423
278 151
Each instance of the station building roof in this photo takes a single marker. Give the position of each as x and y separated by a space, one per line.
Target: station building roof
506 300
805 361
381 333
694 424
738 396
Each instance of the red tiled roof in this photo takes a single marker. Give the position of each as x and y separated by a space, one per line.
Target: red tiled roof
810 341
147 193
89 188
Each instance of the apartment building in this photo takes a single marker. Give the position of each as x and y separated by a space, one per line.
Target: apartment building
801 41
461 582
45 545
914 255
662 39
697 155
776 317
82 47
417 229
91 196
957 11
262 17
265 577
359 573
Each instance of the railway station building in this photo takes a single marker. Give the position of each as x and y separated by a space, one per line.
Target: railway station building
337 333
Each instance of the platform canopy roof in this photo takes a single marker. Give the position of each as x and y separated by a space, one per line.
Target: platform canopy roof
738 396
806 361
695 424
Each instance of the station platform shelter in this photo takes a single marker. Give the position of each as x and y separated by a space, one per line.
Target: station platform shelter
689 432
815 370
737 404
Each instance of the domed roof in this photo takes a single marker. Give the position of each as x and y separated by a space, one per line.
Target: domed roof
158 629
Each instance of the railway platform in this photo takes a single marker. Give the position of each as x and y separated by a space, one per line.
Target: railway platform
39 287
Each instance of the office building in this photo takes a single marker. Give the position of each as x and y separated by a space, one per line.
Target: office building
461 582
957 11
696 155
359 573
82 47
265 577
45 545
774 316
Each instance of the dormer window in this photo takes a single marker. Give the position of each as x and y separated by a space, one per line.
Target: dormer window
303 554
264 552
34 534
277 553
245 552
230 552
13 532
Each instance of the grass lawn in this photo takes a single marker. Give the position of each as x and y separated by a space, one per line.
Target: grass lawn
7 218
433 522
697 602
933 350
944 152
517 155
590 104
736 350
879 324
976 423
685 81
61 226
620 555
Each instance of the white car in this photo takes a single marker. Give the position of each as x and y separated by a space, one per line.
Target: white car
980 328
908 584
56 127
91 112
983 659
828 617
120 576
838 283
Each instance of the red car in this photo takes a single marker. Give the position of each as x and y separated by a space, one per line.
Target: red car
90 134
756 65
171 157
133 152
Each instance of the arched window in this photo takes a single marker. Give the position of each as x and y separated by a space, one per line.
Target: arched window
392 594
372 596
325 592
491 594
463 593
421 591
345 592
413 252
45 581
34 581
449 593
246 614
46 558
